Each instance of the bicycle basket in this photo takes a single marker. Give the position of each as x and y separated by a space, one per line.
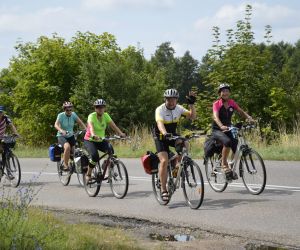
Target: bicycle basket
9 141
150 162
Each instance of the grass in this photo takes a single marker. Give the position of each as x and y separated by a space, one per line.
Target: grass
25 227
283 147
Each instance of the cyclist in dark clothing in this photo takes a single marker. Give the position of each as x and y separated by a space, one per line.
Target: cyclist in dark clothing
223 110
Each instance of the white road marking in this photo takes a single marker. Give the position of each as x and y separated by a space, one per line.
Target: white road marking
148 179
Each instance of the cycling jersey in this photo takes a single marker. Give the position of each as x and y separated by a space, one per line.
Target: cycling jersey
224 114
67 123
169 117
99 125
5 121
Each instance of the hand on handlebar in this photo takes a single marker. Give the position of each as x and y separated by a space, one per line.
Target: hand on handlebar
224 128
167 136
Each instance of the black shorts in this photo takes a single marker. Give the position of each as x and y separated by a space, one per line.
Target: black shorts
225 138
62 140
163 146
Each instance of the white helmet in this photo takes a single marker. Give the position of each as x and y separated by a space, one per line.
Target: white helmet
169 93
67 104
223 86
99 102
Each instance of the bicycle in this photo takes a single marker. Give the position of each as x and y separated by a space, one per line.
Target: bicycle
117 174
251 166
75 165
188 174
10 165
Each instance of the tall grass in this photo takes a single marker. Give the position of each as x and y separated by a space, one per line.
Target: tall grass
283 146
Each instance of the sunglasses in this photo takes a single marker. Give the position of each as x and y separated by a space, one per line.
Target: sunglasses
99 107
68 110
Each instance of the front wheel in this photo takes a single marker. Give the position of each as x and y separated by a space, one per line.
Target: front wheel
92 187
192 184
214 173
13 170
80 179
64 176
118 179
253 172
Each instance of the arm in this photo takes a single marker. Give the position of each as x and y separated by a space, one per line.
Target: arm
244 114
218 121
59 129
161 127
81 124
13 128
116 129
192 112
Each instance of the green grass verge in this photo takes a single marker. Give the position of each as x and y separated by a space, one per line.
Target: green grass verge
33 228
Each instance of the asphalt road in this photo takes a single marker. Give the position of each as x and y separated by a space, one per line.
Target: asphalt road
272 216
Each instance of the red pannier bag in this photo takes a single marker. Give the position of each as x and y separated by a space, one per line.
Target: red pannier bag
150 162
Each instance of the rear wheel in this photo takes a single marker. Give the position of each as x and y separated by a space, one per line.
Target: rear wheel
156 186
214 173
192 184
253 172
64 176
13 170
92 187
118 179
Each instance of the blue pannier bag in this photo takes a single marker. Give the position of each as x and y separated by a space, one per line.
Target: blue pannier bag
55 151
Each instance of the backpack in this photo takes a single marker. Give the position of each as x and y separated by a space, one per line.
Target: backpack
211 146
150 162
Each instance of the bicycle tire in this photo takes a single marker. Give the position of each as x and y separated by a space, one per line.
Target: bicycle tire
118 173
215 177
80 178
249 169
156 186
13 170
92 188
192 177
64 176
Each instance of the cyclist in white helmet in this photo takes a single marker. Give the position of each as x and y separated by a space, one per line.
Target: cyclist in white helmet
65 124
167 116
93 140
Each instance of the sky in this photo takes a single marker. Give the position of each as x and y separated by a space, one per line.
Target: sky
187 24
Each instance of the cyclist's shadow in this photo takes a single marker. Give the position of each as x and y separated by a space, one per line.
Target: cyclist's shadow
130 195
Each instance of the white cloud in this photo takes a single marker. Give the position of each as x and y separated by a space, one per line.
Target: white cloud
113 4
278 16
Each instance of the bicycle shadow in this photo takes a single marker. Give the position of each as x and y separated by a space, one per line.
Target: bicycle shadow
130 195
216 204
269 192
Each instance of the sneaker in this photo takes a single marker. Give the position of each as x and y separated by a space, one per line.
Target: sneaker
234 175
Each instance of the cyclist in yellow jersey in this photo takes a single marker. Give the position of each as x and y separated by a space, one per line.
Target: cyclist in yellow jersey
97 124
167 116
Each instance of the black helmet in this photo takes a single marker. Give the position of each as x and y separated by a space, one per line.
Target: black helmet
169 93
223 86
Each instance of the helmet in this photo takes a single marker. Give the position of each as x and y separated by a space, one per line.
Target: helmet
67 104
99 102
223 86
171 93
2 108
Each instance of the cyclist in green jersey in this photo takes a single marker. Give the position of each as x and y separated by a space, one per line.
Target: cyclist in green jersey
65 124
93 140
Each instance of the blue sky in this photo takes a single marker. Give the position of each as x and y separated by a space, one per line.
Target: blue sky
187 24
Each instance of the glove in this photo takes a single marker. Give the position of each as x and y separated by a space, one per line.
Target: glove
167 136
191 99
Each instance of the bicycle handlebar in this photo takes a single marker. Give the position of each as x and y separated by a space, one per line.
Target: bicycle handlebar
185 138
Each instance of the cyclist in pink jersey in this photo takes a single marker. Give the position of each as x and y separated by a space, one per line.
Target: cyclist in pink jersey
223 110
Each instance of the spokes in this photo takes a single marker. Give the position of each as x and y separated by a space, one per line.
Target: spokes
118 179
254 173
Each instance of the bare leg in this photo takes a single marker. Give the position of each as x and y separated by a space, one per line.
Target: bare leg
225 153
67 149
163 170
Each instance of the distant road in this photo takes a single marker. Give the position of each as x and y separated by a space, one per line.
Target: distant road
274 215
